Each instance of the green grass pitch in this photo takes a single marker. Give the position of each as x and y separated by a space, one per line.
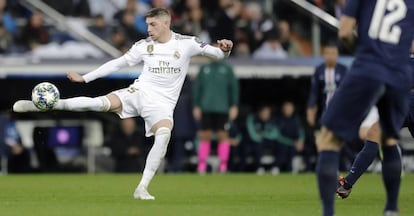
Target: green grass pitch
188 194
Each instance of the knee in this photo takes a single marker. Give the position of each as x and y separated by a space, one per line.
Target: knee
112 103
222 135
205 135
374 133
390 142
165 123
163 131
327 141
363 133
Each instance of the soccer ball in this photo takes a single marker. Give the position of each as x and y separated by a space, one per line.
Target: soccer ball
45 96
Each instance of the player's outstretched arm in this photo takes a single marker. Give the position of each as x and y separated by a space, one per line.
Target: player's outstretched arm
222 50
106 69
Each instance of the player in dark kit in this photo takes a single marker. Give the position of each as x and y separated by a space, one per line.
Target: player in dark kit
370 150
381 75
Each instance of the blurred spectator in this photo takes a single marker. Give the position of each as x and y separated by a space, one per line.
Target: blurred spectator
194 23
35 33
8 21
128 25
119 41
100 28
161 3
215 99
242 50
5 40
329 6
70 7
106 8
288 43
128 147
260 138
338 8
222 24
18 155
290 139
17 9
130 6
129 18
192 4
271 49
256 24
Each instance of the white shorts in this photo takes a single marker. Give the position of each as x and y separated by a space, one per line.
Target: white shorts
138 103
371 118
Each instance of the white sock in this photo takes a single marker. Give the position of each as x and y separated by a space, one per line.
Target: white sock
99 104
25 106
155 156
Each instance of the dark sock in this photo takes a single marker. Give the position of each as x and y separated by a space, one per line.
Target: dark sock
362 162
391 175
327 173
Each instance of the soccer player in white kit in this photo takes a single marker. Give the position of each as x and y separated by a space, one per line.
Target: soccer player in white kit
166 56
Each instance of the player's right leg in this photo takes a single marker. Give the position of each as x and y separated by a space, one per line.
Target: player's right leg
327 168
110 102
162 131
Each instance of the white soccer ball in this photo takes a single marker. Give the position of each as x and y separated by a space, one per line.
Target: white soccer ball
45 96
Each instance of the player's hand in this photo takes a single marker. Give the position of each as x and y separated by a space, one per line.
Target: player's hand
299 146
225 45
233 112
197 113
75 77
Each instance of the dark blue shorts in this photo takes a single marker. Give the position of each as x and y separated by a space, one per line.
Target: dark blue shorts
354 98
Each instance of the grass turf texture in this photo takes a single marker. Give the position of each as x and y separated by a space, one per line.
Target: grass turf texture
232 194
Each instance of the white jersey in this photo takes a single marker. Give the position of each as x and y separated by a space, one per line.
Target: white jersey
166 64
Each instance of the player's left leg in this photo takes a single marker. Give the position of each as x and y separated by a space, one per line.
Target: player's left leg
370 132
99 104
162 131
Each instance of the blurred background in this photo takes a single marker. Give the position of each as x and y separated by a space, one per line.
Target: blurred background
279 45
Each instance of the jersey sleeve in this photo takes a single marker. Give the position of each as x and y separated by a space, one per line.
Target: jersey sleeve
351 8
199 47
105 69
134 56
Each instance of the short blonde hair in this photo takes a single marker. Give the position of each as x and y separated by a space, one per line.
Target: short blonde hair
157 12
